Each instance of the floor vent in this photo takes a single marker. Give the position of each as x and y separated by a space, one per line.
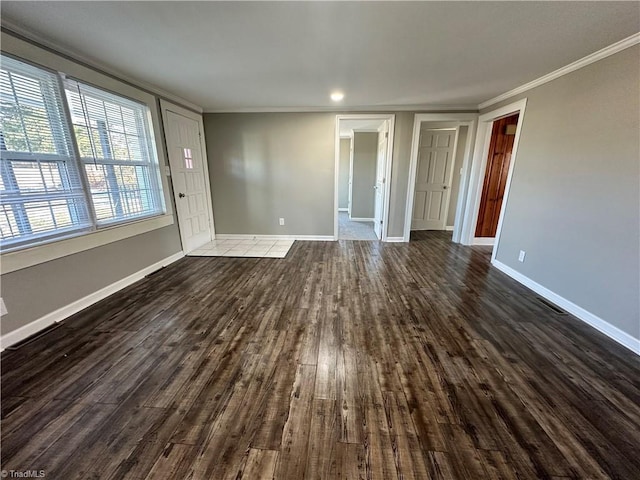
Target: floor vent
554 308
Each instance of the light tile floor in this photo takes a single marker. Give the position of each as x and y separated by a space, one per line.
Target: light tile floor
244 248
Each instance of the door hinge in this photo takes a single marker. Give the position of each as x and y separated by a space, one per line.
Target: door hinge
386 134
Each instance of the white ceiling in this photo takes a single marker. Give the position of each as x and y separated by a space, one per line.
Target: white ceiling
234 56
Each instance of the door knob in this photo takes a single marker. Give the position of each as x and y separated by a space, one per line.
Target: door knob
181 195
444 187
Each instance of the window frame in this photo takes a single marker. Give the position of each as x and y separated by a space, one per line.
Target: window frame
24 256
70 160
155 168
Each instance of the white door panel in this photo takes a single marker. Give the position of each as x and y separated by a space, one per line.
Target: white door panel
435 164
189 187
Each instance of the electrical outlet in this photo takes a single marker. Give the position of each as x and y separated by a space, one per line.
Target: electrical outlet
521 256
282 221
3 308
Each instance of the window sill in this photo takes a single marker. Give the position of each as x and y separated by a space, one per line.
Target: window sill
28 257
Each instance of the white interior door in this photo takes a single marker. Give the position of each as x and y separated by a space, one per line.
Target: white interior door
188 173
433 177
383 138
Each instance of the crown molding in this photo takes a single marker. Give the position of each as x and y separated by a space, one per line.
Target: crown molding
572 67
350 109
24 34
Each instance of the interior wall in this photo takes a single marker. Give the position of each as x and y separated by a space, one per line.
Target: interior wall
343 173
402 139
33 292
365 156
269 165
266 166
574 203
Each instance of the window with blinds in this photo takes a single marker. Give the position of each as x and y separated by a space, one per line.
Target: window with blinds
72 159
114 143
40 187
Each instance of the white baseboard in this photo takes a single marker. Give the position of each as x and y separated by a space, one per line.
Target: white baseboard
316 238
613 332
360 219
394 239
60 314
449 228
484 241
343 209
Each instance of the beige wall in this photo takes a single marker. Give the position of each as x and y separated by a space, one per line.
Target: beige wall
574 203
343 173
267 166
400 172
365 155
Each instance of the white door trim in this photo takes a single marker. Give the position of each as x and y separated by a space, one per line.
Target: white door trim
479 165
464 120
166 106
387 176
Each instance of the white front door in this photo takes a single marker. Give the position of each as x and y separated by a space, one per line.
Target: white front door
383 138
433 179
188 173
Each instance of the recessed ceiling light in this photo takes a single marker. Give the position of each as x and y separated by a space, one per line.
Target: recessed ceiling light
337 96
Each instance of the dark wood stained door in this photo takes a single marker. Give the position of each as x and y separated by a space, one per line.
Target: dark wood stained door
495 177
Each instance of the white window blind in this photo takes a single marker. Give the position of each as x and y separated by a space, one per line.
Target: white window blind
74 158
116 148
41 190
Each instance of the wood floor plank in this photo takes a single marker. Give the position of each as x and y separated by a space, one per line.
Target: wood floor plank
260 465
172 463
295 439
322 440
350 462
344 360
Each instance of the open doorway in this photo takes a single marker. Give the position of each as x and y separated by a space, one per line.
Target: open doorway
490 178
440 155
363 161
503 134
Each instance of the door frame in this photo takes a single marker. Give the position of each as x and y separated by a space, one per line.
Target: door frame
468 120
165 107
383 128
387 176
478 170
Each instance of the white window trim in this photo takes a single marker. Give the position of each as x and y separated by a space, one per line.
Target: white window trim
81 241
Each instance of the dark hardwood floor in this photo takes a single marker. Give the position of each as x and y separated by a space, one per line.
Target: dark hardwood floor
345 360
